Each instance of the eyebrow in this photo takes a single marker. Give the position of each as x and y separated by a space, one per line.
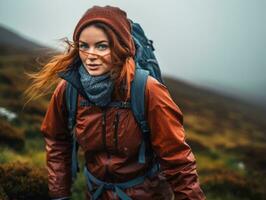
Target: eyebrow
95 43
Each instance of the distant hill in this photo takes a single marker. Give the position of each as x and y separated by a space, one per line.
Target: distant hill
227 135
11 42
207 97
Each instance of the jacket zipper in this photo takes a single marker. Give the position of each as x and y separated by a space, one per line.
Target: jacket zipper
104 133
107 172
115 139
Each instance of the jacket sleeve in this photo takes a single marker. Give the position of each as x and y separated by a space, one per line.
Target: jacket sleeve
57 145
177 161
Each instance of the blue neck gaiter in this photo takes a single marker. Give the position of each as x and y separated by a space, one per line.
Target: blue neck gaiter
98 88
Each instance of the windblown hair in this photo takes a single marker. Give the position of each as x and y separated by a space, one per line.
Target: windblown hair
47 77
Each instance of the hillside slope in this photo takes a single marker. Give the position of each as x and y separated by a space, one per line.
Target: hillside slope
11 43
227 136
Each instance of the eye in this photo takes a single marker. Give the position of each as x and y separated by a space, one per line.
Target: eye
102 47
83 46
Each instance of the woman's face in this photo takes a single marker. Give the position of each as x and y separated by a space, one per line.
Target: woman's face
93 42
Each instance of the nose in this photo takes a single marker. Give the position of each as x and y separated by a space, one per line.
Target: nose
91 55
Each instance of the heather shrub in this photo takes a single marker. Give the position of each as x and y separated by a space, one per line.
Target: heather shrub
10 136
23 182
224 182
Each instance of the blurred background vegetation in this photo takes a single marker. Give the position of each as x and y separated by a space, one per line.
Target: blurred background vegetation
227 135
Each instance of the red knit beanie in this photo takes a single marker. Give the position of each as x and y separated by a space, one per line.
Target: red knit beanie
111 16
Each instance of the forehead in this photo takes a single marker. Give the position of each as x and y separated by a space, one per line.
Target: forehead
92 34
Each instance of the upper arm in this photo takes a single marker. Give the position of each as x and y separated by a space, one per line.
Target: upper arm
166 124
55 121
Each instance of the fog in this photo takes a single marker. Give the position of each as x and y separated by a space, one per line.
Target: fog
217 44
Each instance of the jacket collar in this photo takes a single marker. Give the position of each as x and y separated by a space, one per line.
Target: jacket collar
72 76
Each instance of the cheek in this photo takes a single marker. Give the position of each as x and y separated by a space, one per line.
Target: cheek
82 57
109 60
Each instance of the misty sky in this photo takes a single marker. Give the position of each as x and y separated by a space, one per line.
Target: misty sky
219 44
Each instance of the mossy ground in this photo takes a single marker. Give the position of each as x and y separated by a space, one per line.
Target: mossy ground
227 137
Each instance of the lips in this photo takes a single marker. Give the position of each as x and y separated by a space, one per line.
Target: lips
93 66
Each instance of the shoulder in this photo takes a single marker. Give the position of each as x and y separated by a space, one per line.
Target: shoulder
159 101
60 88
157 95
153 82
155 89
58 96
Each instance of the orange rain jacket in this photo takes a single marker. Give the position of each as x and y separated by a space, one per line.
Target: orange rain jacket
178 178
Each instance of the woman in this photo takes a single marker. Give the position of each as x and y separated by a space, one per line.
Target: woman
100 65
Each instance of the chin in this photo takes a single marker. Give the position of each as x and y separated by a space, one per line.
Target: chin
95 73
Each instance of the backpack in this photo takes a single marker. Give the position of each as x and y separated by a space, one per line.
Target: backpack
146 64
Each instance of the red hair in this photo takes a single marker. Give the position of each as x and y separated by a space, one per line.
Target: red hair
123 67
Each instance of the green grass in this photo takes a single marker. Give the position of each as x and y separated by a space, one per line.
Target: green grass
33 153
223 196
78 189
226 135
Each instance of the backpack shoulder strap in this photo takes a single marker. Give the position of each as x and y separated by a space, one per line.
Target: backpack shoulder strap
71 104
138 107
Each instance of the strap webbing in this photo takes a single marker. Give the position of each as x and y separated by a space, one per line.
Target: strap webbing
138 107
116 187
71 103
